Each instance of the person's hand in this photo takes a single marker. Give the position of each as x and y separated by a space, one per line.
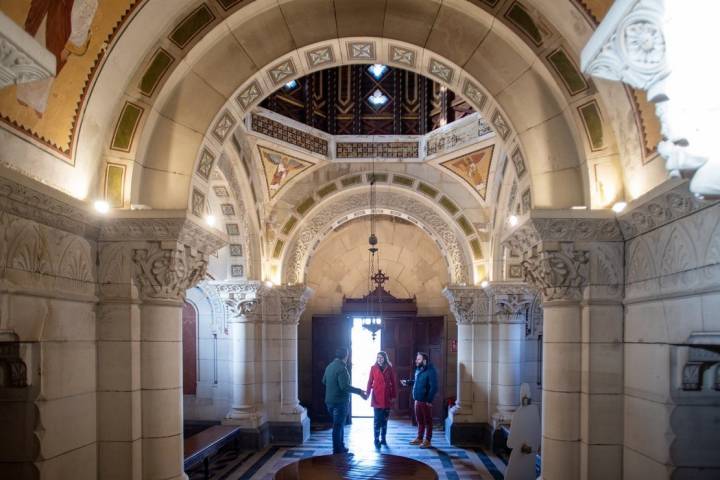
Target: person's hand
364 395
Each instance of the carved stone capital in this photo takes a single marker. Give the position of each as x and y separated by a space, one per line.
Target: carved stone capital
560 274
166 270
244 301
293 299
468 304
22 58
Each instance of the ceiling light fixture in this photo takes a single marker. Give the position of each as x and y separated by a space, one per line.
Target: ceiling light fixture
513 220
210 220
619 207
101 206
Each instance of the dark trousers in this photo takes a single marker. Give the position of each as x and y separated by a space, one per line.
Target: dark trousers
380 422
423 415
338 412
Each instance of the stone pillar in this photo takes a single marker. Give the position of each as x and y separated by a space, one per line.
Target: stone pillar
577 265
146 266
467 421
245 302
295 424
510 303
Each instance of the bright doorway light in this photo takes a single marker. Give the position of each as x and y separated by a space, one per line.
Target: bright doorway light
364 355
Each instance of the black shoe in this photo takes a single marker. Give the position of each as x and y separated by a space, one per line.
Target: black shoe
377 443
383 442
343 451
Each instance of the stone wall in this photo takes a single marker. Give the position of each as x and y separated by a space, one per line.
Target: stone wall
672 292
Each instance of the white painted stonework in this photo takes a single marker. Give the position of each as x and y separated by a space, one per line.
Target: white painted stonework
655 45
22 58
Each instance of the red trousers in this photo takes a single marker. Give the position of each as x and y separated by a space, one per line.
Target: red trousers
423 416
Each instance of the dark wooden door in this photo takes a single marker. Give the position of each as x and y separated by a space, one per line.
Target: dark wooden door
328 333
398 341
430 338
189 348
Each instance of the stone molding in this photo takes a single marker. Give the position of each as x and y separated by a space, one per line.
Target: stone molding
560 226
631 45
177 228
166 270
668 203
321 222
22 58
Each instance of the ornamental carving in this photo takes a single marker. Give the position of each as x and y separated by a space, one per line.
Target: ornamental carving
293 300
468 304
166 271
22 58
560 274
179 229
550 229
320 222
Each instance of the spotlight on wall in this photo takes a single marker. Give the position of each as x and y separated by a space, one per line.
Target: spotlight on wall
210 220
484 284
269 284
512 220
101 206
578 207
619 207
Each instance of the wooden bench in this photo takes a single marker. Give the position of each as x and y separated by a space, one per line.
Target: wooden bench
203 445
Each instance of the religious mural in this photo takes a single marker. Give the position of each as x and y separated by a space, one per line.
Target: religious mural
279 169
474 168
77 33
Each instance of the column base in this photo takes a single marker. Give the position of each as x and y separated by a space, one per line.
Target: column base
251 438
468 434
290 433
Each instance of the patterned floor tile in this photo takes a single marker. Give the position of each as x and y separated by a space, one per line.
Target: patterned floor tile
450 463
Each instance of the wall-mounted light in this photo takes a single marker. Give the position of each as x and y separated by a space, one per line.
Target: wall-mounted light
619 207
269 284
210 220
578 207
484 284
101 206
512 220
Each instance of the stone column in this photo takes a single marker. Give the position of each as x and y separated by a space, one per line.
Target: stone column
245 302
146 266
296 424
510 303
467 421
572 261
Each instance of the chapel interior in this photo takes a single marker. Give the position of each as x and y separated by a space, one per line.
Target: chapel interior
189 193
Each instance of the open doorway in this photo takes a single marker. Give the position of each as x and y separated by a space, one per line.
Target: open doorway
364 355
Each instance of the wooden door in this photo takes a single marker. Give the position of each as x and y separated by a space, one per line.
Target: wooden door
328 333
430 338
189 349
398 341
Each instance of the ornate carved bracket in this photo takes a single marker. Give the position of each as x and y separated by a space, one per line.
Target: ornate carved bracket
468 304
644 43
22 58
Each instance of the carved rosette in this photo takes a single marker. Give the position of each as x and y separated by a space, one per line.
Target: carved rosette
468 304
560 274
166 270
293 300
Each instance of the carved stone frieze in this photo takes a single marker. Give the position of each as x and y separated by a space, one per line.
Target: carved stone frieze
560 274
672 204
31 204
32 247
166 270
320 222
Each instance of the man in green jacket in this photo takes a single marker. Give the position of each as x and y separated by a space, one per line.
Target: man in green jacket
337 396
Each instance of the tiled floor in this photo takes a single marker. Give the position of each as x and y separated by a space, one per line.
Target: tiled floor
451 463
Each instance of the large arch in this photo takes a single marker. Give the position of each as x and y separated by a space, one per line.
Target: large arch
529 98
393 201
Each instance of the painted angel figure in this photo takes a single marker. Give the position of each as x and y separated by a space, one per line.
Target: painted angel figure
524 438
63 27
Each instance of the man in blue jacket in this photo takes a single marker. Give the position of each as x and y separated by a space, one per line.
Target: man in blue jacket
337 396
425 387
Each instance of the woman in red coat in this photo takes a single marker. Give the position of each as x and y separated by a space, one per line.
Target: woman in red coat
383 385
